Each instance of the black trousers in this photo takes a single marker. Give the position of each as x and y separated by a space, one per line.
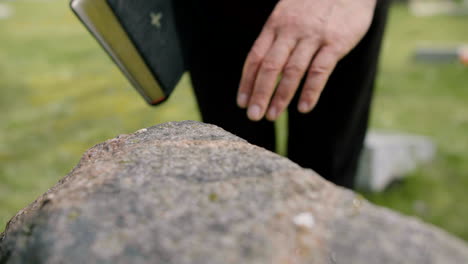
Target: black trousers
327 140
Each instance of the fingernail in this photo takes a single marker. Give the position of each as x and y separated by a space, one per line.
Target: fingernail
272 113
303 107
242 100
254 112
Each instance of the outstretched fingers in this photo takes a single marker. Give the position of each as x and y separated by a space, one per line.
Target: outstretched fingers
272 55
292 74
267 77
320 70
252 64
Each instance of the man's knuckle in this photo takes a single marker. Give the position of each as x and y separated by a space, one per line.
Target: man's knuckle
281 98
270 66
276 15
307 92
260 95
293 22
335 49
255 57
292 70
319 69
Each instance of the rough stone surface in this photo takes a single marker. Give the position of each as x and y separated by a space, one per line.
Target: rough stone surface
186 192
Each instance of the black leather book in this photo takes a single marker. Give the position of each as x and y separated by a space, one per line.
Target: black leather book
141 37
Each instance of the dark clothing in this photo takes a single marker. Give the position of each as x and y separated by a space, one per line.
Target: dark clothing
330 138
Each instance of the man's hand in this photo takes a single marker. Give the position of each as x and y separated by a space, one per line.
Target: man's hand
301 37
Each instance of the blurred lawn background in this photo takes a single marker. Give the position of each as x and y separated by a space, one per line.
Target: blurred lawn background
60 94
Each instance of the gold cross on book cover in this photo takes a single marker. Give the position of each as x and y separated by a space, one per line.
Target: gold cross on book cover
142 38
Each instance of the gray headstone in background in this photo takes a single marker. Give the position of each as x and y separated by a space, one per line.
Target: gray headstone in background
387 157
441 54
190 193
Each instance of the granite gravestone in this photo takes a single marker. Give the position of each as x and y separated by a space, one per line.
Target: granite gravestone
187 192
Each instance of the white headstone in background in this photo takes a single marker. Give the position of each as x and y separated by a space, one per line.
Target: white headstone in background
5 11
438 7
390 156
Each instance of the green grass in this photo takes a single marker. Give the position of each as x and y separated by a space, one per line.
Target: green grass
431 100
60 94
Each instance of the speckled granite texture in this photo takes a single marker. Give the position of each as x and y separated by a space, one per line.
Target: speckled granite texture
187 192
